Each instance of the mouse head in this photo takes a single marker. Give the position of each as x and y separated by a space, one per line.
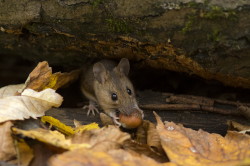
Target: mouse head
114 91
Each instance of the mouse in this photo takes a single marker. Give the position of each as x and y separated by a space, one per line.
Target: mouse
106 85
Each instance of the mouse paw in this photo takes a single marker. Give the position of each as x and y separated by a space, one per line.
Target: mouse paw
115 119
91 108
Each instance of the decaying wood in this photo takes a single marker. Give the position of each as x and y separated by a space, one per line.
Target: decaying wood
205 38
189 102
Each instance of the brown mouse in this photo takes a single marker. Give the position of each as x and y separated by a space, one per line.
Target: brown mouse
107 85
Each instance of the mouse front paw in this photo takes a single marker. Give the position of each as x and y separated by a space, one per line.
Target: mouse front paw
91 108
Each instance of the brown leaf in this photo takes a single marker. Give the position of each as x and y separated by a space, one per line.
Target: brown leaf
41 78
188 147
238 127
113 158
103 139
138 149
7 148
147 134
25 153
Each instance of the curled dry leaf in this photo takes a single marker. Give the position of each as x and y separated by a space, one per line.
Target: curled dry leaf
232 125
147 134
10 90
106 120
7 148
29 104
188 147
113 158
41 78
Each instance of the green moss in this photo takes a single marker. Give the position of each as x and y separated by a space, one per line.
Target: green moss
96 3
216 12
215 35
118 25
189 24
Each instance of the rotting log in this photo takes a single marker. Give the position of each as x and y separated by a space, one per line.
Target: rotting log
209 39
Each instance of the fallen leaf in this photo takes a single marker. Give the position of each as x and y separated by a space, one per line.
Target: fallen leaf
96 138
29 104
67 130
113 158
238 127
54 138
138 149
41 78
10 90
81 128
25 153
7 148
188 147
106 120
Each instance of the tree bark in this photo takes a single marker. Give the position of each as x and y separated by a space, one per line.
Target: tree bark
206 38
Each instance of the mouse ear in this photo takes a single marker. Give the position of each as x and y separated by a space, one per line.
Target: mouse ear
123 66
100 73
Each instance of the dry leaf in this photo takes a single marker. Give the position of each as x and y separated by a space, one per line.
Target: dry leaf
25 153
106 120
67 130
81 128
10 90
96 137
7 148
113 158
188 147
238 127
29 104
54 138
41 78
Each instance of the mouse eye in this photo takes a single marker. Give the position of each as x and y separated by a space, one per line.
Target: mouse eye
129 91
114 96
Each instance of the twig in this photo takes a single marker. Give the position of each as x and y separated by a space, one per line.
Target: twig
189 102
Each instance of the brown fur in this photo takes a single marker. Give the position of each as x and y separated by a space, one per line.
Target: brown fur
99 83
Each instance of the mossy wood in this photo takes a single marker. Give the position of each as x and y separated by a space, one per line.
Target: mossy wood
209 39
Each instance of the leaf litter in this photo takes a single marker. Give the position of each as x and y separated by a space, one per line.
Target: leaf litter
165 144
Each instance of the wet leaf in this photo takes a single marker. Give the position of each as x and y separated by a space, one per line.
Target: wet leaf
113 158
7 148
29 104
41 78
188 147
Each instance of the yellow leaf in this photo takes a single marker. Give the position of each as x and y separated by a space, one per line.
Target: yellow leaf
67 130
113 158
58 125
54 138
90 126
